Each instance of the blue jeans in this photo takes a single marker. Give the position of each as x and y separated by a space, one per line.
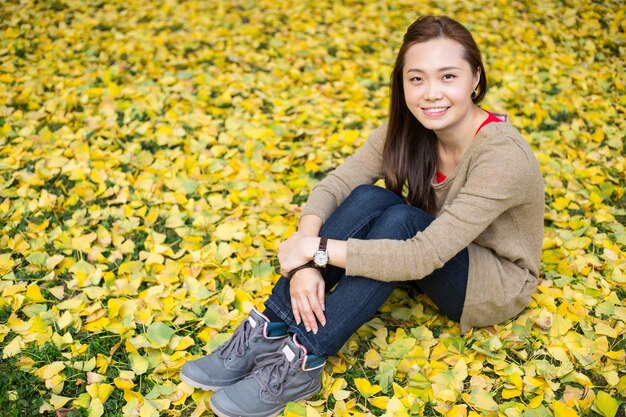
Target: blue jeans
370 212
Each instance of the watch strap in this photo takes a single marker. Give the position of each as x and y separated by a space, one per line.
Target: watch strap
323 244
309 264
320 257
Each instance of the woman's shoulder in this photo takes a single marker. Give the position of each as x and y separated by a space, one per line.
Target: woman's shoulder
376 138
502 137
502 145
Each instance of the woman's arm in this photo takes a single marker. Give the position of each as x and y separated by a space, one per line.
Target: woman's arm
310 225
307 286
300 248
500 174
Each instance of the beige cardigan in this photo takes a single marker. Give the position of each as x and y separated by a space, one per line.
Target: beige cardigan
492 203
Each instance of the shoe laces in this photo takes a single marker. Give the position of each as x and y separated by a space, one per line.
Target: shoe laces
271 371
238 342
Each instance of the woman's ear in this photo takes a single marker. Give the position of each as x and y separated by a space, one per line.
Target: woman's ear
476 78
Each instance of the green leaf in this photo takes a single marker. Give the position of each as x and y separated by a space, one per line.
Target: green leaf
482 399
37 258
138 363
399 348
385 374
606 405
216 316
196 289
295 410
540 411
401 313
159 334
262 270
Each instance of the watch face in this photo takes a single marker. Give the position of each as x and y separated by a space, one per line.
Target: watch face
320 258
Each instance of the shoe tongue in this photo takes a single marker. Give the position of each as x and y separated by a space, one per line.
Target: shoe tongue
292 350
256 319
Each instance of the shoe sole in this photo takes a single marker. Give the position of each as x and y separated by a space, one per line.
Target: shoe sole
199 385
219 413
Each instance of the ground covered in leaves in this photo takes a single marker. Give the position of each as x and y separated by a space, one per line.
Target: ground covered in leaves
154 153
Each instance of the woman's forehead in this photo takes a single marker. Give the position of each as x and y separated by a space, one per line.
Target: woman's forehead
434 55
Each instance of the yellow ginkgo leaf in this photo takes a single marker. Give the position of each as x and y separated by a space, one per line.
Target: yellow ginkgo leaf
100 391
123 383
562 410
34 293
372 358
12 348
229 230
379 402
58 401
365 388
52 369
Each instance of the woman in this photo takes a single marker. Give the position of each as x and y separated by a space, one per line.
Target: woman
461 218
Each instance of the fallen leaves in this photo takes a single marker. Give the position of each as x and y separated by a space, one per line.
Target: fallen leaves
151 159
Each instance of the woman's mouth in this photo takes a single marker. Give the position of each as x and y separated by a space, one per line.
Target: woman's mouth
435 111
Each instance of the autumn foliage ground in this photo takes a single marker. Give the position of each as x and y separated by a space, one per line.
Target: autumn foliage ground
154 153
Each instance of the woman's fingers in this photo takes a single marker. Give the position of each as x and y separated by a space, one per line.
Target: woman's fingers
307 298
317 306
321 295
308 318
295 310
311 312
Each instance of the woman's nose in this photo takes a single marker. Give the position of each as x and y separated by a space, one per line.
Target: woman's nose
432 91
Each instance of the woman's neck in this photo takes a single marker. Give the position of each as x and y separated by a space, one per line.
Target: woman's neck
452 143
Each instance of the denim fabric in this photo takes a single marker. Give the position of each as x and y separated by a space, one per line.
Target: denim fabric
370 212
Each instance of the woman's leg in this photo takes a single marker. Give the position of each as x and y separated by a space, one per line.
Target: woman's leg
356 299
354 218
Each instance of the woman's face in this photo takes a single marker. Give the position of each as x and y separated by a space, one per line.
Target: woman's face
438 84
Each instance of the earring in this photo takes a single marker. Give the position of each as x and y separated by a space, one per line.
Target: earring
474 94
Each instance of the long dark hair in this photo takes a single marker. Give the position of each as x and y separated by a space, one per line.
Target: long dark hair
410 153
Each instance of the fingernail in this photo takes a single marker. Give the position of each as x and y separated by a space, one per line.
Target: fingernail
314 331
308 329
323 323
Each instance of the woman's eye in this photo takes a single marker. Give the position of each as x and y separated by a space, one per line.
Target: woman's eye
416 79
449 76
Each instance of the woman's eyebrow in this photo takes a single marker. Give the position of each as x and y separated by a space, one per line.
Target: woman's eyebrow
439 70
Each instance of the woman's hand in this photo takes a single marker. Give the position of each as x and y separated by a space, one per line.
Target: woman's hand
296 251
307 298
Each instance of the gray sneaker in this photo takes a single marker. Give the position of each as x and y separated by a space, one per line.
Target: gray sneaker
234 359
278 378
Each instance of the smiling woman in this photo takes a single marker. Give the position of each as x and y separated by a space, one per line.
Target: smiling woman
437 93
461 219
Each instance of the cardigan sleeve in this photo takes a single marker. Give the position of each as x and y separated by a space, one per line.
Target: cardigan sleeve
362 167
496 180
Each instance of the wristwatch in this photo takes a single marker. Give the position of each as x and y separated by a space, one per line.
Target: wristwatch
320 258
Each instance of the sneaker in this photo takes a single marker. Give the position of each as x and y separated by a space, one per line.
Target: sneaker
278 378
234 360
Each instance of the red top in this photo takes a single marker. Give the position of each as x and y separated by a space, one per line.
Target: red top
491 118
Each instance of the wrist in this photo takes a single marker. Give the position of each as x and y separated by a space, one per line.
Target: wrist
311 245
310 225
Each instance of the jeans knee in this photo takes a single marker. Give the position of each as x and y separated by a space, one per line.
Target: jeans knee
355 215
401 221
368 194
